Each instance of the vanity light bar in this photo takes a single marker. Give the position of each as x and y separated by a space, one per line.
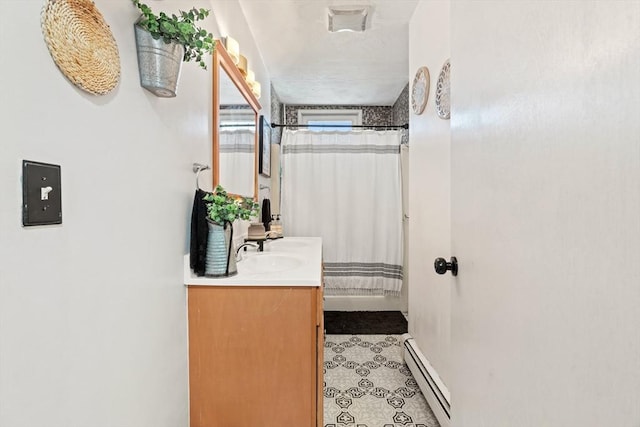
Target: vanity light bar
242 65
233 49
256 89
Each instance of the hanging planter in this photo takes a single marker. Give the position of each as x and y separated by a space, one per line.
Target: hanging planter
159 63
163 42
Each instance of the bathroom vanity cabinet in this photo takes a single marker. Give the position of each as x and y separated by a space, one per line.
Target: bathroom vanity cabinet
256 351
255 356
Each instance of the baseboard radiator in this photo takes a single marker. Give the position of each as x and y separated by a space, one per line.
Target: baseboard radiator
432 387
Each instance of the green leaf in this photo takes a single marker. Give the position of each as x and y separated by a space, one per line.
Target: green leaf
168 27
185 28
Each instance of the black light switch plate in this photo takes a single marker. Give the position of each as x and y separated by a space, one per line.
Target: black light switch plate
41 194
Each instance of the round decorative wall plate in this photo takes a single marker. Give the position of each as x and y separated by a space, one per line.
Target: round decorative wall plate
443 92
420 90
81 44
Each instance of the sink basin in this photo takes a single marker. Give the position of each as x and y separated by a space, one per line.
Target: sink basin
268 263
287 244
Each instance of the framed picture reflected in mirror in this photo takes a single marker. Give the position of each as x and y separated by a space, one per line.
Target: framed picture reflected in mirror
264 163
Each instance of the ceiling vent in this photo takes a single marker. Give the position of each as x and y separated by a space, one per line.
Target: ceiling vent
348 19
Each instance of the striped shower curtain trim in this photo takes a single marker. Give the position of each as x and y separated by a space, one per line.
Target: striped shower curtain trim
363 269
237 141
335 148
236 148
359 292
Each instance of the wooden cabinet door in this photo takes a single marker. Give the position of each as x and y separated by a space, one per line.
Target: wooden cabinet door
253 356
320 359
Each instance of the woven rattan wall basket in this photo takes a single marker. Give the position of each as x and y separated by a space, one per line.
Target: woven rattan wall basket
81 44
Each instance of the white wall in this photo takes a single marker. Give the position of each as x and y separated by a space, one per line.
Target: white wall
429 192
92 312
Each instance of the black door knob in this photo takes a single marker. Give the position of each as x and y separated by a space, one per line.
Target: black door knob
442 266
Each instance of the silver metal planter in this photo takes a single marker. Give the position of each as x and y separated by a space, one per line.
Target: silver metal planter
159 63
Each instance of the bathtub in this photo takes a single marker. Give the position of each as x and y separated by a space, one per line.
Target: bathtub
367 302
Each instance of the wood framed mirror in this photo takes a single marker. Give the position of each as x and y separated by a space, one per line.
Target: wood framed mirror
235 128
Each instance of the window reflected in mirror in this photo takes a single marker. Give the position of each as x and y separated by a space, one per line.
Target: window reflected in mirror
237 133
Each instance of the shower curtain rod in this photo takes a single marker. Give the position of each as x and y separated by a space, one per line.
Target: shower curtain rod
404 126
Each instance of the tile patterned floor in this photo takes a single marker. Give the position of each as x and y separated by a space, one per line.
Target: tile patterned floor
367 384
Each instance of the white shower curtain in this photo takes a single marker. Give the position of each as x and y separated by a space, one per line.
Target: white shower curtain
346 188
237 160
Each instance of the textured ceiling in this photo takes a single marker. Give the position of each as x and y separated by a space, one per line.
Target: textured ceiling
310 65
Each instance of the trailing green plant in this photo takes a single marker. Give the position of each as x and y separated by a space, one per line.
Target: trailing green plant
222 207
181 29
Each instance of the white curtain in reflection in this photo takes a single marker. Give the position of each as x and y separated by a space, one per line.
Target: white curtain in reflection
346 188
237 160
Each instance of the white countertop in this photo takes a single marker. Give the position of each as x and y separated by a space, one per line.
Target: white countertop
290 261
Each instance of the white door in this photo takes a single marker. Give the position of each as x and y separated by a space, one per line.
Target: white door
545 159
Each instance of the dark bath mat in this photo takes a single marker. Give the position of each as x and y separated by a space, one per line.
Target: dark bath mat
365 322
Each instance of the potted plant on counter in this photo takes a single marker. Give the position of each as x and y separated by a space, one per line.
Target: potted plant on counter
222 210
164 41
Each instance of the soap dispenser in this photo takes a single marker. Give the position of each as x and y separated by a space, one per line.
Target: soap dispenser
277 226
